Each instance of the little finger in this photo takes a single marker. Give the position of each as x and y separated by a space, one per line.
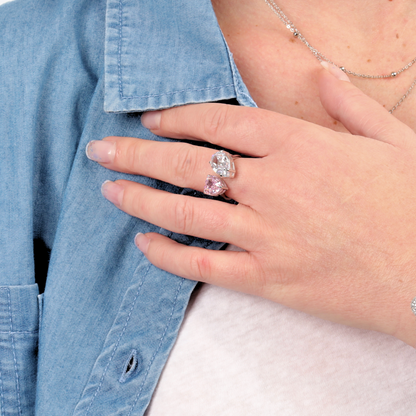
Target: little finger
230 269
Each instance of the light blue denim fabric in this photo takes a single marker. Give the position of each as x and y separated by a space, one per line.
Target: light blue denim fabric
72 71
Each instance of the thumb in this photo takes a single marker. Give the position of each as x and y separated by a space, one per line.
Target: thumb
360 114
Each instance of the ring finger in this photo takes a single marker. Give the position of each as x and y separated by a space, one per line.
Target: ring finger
212 220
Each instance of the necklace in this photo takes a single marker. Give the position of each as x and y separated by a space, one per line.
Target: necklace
321 57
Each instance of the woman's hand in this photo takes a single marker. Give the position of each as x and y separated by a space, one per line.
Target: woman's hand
327 219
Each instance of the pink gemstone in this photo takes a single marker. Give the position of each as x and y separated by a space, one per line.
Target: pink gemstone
214 186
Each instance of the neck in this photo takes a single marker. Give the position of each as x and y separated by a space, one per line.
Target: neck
365 36
340 28
365 15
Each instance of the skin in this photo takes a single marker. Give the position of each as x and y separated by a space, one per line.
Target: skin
281 73
326 211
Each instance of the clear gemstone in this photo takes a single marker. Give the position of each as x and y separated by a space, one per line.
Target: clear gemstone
222 163
214 186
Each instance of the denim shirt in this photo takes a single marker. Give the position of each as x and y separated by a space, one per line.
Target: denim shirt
72 71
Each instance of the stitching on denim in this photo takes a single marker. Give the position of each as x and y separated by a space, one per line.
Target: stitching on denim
177 92
120 77
239 89
120 36
1 396
235 78
18 332
118 342
158 347
14 352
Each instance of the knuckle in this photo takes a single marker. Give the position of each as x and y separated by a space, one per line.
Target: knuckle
170 120
217 220
222 120
134 204
352 103
348 101
159 253
184 214
258 281
351 96
215 121
183 163
200 266
127 155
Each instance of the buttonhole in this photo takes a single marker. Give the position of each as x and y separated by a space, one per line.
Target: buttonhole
130 366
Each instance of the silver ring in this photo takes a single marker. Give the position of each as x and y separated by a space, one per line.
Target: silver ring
413 305
214 186
222 164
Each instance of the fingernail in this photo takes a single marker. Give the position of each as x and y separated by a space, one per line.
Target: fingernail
151 120
102 151
335 71
113 192
142 242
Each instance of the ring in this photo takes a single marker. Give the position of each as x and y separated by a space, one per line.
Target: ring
413 305
214 186
222 163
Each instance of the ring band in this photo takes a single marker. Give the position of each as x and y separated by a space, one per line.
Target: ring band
413 305
215 186
222 164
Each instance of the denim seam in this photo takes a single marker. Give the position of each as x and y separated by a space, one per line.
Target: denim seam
236 80
158 348
120 76
1 396
179 91
14 353
120 33
118 342
17 332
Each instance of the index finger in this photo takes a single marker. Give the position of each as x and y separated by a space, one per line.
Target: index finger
251 131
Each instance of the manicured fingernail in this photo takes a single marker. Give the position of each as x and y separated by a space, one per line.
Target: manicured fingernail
113 192
335 71
151 120
142 242
102 151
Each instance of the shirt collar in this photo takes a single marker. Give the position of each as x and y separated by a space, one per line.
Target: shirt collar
160 54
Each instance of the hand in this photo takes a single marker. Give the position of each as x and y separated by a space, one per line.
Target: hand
327 219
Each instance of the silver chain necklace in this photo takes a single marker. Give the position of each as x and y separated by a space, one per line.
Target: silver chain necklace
321 57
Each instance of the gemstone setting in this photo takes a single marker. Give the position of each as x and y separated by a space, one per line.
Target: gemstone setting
413 305
214 186
222 163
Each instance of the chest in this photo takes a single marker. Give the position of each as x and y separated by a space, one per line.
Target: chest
281 75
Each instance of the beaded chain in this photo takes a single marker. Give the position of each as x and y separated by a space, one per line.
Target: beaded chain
321 57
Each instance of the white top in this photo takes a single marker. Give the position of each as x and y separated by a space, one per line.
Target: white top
240 355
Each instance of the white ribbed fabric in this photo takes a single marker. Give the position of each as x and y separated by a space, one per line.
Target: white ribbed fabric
238 355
